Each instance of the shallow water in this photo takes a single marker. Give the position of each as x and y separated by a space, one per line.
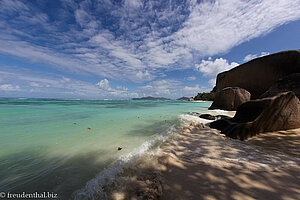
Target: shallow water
46 144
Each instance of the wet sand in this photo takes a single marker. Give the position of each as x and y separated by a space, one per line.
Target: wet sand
200 163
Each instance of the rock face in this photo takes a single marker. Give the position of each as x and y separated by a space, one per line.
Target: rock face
207 116
212 117
258 75
275 113
230 98
287 83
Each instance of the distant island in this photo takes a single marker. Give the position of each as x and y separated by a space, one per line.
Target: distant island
150 98
183 98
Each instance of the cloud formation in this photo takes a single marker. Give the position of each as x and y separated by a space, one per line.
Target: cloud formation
191 78
51 85
41 84
104 85
170 88
9 87
193 90
117 91
160 88
134 40
211 68
253 56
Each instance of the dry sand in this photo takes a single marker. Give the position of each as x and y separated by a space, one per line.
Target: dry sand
264 167
200 163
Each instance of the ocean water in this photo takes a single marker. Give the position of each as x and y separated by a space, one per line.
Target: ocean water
64 146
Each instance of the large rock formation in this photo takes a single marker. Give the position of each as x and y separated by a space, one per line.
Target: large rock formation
275 113
258 75
230 98
287 83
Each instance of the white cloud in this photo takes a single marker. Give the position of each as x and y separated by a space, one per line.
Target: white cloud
170 88
122 88
34 84
212 82
118 91
264 54
211 67
133 3
65 79
191 78
140 41
9 87
249 57
190 90
143 39
253 56
217 26
13 6
165 87
57 86
104 85
144 76
82 17
41 84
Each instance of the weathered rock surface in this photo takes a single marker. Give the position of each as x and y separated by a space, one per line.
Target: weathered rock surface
287 83
258 75
213 117
281 112
230 98
207 116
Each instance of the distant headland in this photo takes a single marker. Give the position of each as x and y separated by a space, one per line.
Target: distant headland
151 98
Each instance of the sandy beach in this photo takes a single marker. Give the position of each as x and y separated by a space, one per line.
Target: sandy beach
200 163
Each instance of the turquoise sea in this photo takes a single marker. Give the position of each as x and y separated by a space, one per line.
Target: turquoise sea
60 145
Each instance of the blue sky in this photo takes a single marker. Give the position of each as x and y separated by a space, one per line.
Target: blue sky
131 48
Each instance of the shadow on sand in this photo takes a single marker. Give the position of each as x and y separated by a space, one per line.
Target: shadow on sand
201 164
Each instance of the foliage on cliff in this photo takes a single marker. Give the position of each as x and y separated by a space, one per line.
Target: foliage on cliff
205 96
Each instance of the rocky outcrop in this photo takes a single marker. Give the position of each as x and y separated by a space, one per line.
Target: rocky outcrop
287 83
258 75
207 116
212 117
230 98
280 112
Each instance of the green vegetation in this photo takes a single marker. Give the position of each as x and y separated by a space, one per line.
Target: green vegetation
205 96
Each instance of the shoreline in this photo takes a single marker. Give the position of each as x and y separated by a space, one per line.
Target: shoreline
201 163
